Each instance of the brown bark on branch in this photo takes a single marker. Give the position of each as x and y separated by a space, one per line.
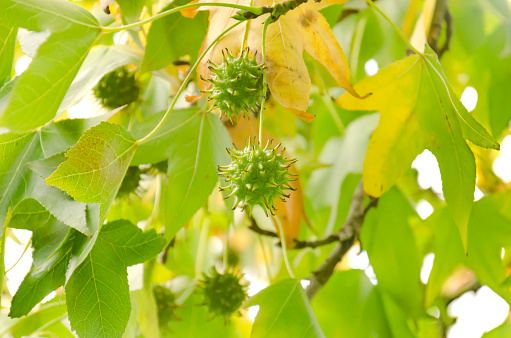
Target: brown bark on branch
440 15
347 236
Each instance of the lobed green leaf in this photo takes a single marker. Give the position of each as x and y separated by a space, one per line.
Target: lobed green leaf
97 291
53 15
280 306
193 161
37 95
8 43
162 48
390 245
96 165
53 243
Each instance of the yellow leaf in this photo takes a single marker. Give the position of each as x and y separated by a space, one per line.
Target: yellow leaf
419 110
303 28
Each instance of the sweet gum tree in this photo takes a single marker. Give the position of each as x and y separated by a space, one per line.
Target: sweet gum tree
236 148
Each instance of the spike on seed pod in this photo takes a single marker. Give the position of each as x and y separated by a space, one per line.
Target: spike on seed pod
117 88
257 176
237 84
223 293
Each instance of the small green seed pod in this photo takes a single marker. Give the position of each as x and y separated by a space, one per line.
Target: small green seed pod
237 85
223 293
117 88
257 176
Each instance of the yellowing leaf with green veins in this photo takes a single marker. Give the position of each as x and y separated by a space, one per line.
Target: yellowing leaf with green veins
420 111
96 165
303 28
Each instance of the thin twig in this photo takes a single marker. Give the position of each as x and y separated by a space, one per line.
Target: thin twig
335 237
314 244
440 15
448 33
184 85
255 228
396 28
347 12
165 255
299 244
347 237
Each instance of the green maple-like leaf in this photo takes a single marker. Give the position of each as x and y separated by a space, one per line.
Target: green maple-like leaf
351 304
54 15
420 111
130 9
96 165
37 94
194 144
346 156
18 182
489 232
192 167
8 43
53 243
176 127
97 292
284 311
47 318
390 244
448 251
161 48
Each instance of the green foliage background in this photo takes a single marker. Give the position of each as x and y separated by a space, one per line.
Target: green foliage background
59 178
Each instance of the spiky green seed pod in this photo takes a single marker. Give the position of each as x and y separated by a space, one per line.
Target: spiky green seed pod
117 88
166 304
257 176
223 293
237 85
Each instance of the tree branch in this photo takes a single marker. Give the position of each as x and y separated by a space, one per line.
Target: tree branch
299 244
448 33
275 11
440 15
347 236
255 228
314 244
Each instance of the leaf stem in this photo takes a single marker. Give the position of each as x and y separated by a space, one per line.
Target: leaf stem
266 260
284 249
327 101
226 248
184 84
201 249
2 246
263 50
174 10
21 256
396 28
247 28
